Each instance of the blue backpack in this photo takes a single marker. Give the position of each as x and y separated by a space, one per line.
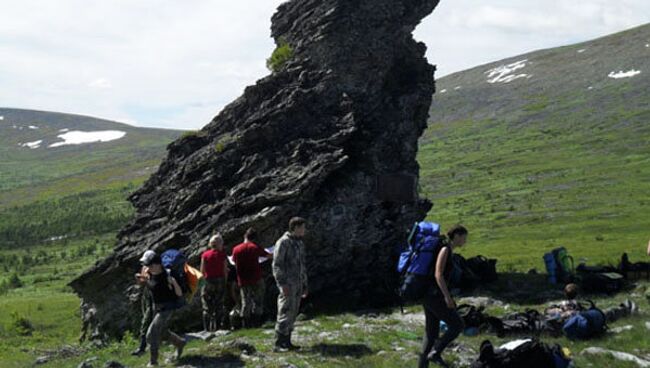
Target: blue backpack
173 260
586 324
416 264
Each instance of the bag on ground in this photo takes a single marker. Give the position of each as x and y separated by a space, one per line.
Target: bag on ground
586 324
559 265
485 269
605 282
529 353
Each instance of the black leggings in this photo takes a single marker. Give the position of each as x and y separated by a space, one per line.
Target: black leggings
435 310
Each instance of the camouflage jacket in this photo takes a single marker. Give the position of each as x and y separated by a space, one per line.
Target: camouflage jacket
289 266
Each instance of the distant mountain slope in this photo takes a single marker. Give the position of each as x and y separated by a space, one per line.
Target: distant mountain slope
68 175
546 148
31 152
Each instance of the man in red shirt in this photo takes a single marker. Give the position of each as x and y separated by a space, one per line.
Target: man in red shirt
213 268
249 278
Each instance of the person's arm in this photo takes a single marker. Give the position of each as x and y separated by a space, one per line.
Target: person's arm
648 247
141 278
202 268
278 265
175 286
441 263
303 269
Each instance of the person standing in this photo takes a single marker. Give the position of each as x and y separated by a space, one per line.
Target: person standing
290 272
166 294
213 268
146 303
439 305
249 278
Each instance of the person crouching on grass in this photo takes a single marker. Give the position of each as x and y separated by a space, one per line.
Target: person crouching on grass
166 293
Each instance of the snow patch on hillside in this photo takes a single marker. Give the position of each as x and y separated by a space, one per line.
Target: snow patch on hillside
505 73
63 130
32 145
581 51
621 74
2 118
79 137
33 127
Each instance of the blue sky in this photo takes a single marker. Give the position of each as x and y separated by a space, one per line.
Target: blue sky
175 64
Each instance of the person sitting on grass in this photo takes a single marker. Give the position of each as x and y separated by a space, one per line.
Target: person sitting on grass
569 307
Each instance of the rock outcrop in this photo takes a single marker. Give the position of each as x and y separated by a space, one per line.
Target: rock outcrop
331 136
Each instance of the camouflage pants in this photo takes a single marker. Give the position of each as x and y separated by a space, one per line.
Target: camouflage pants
212 296
146 305
288 306
252 299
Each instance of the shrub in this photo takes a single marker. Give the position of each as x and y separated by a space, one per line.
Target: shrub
21 325
15 282
282 53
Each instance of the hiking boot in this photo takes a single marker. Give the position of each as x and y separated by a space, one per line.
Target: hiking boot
280 343
141 349
436 358
631 306
291 346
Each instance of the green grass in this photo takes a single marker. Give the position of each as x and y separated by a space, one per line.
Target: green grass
565 178
385 339
44 300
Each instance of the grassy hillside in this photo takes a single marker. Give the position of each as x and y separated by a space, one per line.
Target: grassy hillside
556 152
71 190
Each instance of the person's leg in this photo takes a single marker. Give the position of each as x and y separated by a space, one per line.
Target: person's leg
622 310
178 342
431 330
220 291
287 311
147 316
258 296
154 334
247 305
293 314
454 323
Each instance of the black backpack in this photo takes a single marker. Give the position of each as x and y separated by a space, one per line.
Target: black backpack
530 354
471 315
605 282
485 269
462 275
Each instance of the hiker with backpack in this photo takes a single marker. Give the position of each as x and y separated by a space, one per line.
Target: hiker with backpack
213 267
249 278
166 293
146 303
290 272
438 303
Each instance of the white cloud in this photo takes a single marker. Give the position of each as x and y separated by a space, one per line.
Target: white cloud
176 64
100 83
464 33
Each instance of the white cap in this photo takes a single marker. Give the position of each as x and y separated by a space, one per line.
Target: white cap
147 257
215 238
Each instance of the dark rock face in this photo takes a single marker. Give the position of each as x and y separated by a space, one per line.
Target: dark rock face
316 139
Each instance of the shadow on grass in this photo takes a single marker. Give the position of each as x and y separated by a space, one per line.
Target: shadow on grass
202 361
335 350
